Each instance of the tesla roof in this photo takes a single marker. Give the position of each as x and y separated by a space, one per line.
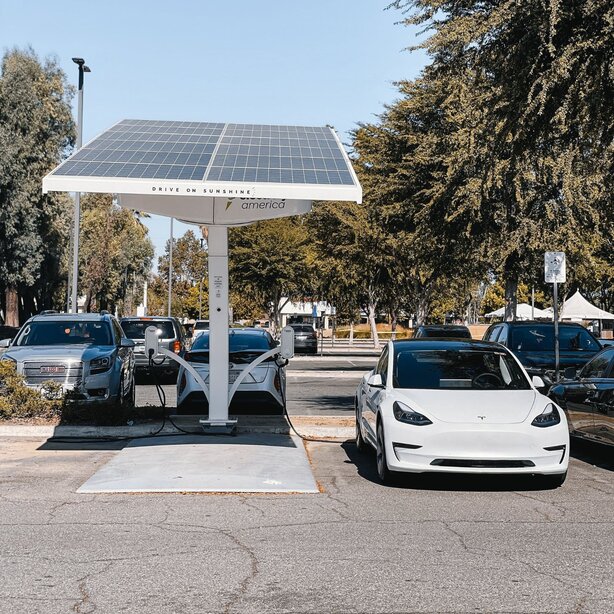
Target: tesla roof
134 155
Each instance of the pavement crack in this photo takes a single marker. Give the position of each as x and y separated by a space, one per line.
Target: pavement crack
249 578
85 605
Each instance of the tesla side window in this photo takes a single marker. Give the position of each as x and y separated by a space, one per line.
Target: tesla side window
457 370
598 367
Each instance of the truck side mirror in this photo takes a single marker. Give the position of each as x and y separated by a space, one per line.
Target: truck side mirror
151 342
287 342
5 343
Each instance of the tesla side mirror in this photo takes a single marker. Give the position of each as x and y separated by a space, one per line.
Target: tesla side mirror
126 343
570 373
375 381
5 343
538 382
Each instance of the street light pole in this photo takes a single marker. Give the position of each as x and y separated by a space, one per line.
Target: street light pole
77 215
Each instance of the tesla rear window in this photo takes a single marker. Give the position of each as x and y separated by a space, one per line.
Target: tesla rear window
457 370
135 329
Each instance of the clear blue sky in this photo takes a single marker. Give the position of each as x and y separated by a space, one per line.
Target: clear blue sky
314 62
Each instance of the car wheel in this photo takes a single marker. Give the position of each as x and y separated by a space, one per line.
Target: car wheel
361 444
554 481
130 400
383 472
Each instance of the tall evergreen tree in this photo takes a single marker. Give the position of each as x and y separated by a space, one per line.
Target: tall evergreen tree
36 130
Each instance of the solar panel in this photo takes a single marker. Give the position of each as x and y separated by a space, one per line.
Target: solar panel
213 152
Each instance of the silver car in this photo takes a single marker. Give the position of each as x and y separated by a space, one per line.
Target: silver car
87 354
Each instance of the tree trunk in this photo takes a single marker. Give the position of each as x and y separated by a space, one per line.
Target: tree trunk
12 307
372 325
393 323
511 297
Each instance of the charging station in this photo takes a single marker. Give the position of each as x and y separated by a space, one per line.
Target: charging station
218 175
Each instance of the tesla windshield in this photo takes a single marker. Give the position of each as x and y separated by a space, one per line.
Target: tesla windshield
453 369
65 332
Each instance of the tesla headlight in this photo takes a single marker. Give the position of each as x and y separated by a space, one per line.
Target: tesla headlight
549 417
404 413
100 365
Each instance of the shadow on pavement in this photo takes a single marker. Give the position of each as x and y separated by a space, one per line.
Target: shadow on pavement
597 454
365 466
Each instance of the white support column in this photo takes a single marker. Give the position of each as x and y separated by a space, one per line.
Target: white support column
218 326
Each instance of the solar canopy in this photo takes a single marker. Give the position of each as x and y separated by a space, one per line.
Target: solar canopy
210 159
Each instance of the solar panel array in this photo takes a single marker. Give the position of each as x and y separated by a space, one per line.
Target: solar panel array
213 152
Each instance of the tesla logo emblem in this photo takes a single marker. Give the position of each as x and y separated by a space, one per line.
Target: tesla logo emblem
482 417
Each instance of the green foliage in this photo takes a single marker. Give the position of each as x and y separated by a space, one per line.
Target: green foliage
18 402
115 255
189 270
270 260
36 130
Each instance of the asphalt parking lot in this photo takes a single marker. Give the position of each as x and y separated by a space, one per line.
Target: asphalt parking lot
429 545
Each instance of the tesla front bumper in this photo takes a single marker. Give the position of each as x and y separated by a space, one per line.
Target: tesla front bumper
475 448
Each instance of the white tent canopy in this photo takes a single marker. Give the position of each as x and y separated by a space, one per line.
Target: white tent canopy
523 312
578 308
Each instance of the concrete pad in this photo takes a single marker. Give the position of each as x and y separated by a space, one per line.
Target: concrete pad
255 462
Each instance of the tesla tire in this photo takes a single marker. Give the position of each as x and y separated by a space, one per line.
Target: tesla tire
383 472
554 481
361 444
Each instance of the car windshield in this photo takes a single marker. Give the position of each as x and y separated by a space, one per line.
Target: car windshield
541 339
135 329
453 369
244 348
65 332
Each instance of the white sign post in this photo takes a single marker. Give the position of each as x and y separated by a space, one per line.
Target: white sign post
555 272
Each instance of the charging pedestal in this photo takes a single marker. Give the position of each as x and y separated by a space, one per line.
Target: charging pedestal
225 424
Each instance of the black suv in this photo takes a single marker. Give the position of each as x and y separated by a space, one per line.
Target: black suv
533 345
171 336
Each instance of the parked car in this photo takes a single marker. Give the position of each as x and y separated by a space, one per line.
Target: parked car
606 342
263 390
443 331
458 406
86 353
305 338
200 326
588 398
533 345
172 337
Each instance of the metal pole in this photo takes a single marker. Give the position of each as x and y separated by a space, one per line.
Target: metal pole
77 213
218 325
556 332
532 302
170 270
200 299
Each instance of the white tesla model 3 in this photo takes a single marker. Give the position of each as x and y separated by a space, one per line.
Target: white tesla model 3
459 406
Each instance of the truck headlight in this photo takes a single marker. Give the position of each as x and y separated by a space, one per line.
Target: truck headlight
404 413
100 365
549 417
8 359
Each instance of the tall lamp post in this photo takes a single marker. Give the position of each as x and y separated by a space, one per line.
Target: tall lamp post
80 62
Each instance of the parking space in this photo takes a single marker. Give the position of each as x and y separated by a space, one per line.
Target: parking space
429 545
316 385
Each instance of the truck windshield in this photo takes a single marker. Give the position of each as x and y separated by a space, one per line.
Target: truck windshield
65 332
